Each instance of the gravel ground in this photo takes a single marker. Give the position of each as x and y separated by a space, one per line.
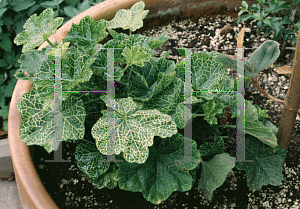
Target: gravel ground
79 193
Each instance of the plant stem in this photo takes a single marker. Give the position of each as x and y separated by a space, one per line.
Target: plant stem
88 141
255 83
50 43
129 74
291 48
196 115
227 126
121 83
127 66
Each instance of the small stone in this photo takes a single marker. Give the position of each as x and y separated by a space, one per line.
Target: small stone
41 166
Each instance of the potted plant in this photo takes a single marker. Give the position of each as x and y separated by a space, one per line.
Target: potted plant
145 110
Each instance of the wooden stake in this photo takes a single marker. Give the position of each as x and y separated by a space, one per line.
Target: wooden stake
291 103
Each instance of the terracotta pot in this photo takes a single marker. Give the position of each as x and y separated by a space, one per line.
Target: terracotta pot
31 190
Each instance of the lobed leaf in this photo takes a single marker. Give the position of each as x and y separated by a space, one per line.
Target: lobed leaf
87 33
265 55
164 171
131 18
254 126
38 29
89 159
151 79
108 179
135 130
206 71
267 166
38 125
214 173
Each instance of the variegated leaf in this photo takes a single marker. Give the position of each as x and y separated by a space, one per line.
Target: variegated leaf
38 29
38 125
135 130
129 18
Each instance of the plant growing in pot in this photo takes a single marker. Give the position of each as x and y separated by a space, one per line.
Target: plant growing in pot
149 109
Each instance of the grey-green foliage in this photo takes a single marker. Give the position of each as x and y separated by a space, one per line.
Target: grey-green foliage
149 109
260 59
259 12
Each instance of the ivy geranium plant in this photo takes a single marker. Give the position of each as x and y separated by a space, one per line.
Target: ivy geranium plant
149 109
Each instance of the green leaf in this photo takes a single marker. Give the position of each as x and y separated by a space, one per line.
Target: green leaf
254 126
2 99
84 6
109 179
171 101
3 77
52 4
267 166
206 71
136 55
164 172
87 33
244 4
136 130
265 55
72 2
211 108
295 2
71 11
268 31
2 10
255 8
38 126
10 84
19 5
38 29
214 173
89 159
75 70
31 61
5 125
151 79
121 40
10 59
262 2
206 150
129 18
33 9
3 3
4 112
282 22
245 18
5 43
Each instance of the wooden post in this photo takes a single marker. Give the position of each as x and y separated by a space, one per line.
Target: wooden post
291 102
